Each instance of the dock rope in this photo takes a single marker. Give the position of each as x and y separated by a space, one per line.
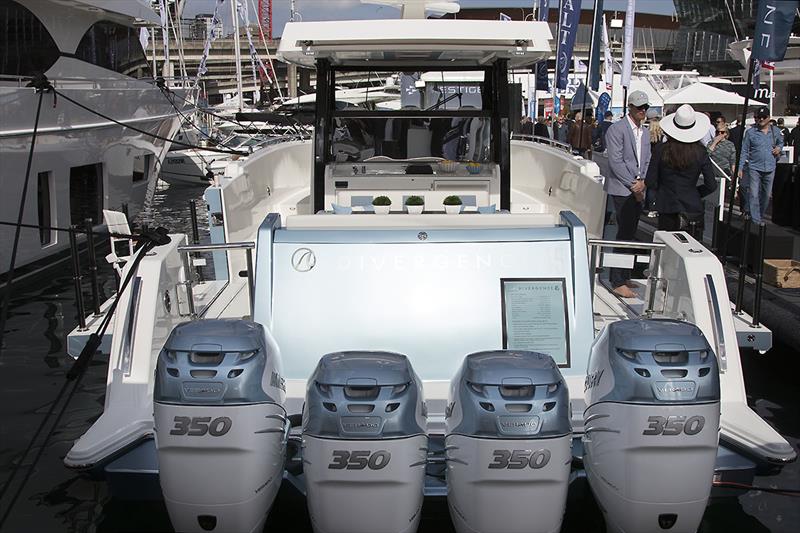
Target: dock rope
75 374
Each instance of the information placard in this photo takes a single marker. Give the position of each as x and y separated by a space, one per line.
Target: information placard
535 316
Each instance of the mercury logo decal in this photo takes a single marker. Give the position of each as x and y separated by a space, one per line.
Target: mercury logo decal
303 260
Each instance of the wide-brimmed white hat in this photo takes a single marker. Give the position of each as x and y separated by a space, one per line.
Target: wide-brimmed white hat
686 125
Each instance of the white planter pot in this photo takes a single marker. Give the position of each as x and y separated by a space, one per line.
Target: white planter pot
415 209
452 209
381 209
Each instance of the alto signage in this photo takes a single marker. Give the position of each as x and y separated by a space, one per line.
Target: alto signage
568 17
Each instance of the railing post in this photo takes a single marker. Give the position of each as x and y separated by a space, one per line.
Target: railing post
652 278
592 267
762 237
195 230
187 270
742 264
76 277
250 285
92 267
195 237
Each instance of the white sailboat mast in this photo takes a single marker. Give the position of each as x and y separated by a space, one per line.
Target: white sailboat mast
237 53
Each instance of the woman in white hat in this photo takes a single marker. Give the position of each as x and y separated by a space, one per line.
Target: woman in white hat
675 167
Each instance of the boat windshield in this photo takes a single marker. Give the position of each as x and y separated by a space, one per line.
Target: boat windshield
439 114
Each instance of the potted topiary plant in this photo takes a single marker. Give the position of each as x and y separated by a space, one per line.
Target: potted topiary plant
415 205
381 205
452 204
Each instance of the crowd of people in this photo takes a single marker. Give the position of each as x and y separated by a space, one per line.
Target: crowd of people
667 166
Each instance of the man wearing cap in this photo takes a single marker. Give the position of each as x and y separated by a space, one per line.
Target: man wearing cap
761 147
628 148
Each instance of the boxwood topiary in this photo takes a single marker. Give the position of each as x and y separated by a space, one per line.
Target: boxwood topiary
382 200
415 200
452 200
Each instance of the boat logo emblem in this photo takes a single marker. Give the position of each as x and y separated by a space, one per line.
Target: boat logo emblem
303 260
423 236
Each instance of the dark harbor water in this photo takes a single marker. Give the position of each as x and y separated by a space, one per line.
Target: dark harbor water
33 367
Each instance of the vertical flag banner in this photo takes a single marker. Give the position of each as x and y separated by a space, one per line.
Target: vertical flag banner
594 56
773 26
542 14
569 13
608 62
211 35
602 106
627 53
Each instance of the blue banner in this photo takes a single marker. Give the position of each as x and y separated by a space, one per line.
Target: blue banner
602 106
773 26
594 53
542 14
569 13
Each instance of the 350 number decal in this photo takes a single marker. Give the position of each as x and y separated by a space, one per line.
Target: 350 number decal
359 460
197 426
519 459
674 425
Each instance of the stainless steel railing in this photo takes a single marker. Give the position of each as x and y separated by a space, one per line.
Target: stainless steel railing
655 248
190 275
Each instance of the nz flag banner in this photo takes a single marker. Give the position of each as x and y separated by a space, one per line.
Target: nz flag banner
542 83
569 13
773 26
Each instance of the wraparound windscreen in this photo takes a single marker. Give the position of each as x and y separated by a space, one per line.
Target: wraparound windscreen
535 316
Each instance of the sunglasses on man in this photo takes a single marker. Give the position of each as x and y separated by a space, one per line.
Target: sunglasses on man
643 107
762 117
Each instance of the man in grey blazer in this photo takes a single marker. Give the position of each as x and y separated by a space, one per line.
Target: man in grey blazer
628 150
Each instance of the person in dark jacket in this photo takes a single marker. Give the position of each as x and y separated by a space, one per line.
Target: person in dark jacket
540 128
675 167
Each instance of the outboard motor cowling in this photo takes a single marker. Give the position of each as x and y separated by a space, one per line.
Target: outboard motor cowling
651 425
508 444
220 425
364 444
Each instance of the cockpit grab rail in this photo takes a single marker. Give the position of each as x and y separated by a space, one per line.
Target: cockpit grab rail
544 140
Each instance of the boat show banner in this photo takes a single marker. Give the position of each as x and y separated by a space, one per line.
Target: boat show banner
773 26
542 14
569 13
627 50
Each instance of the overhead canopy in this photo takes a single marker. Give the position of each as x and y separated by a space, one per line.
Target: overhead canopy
700 93
414 42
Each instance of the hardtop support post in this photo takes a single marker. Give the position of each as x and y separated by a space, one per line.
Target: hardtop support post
321 126
501 132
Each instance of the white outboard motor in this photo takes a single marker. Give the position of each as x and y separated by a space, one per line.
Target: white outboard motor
508 444
220 425
364 444
651 425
